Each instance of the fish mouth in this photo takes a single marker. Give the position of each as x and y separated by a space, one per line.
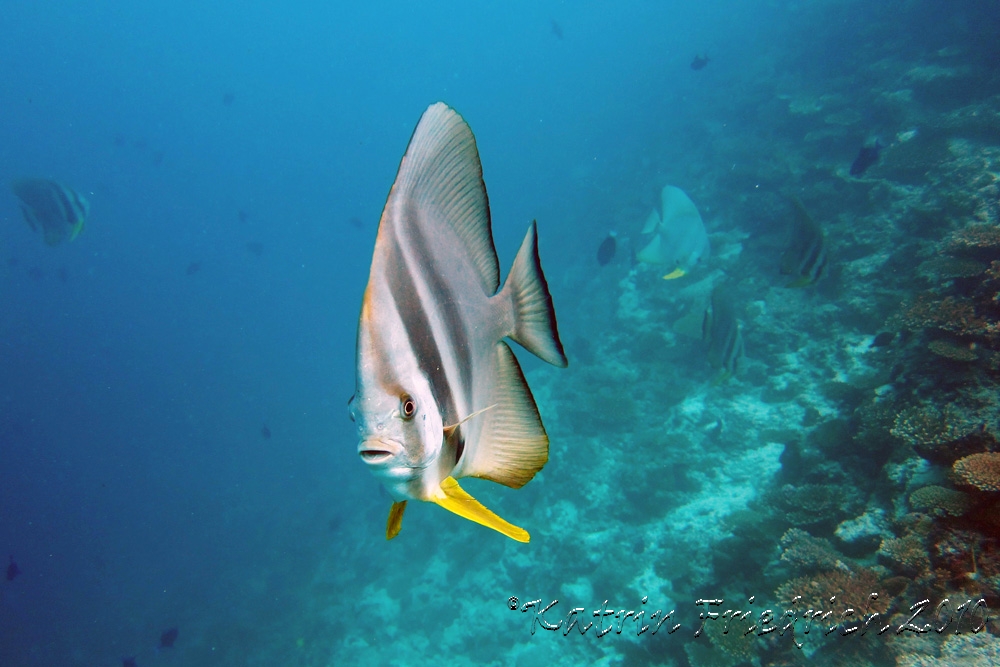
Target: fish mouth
376 452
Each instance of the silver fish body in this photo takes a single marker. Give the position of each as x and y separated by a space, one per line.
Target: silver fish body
439 395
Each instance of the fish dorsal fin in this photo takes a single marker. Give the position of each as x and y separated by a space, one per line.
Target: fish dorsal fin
440 183
512 445
454 499
652 222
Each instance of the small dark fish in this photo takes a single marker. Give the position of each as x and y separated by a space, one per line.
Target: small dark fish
35 273
699 62
265 432
721 330
12 570
883 339
63 275
606 251
157 158
557 29
806 257
193 268
243 215
228 99
867 156
119 140
256 248
168 637
356 222
129 662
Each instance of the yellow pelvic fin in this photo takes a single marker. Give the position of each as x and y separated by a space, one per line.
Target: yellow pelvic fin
461 503
676 273
395 521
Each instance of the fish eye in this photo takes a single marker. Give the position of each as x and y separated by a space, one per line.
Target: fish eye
407 406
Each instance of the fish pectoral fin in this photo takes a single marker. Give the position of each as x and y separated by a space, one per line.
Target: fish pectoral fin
652 223
676 273
512 445
456 500
395 521
534 316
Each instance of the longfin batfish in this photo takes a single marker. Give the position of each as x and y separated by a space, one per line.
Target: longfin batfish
806 258
680 239
56 209
440 395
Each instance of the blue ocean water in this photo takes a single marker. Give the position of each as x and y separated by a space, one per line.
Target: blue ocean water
174 443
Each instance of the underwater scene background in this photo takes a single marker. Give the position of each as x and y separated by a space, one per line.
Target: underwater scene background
179 480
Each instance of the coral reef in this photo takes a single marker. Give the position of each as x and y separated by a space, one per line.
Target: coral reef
981 471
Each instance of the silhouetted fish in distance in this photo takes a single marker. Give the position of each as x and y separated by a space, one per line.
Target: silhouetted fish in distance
63 275
867 156
56 210
806 257
193 268
606 251
721 330
699 62
265 432
557 29
129 662
12 570
243 215
256 248
168 637
228 99
35 273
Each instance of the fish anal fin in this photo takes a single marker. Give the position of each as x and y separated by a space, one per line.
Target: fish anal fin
441 179
456 500
395 522
653 252
534 315
512 446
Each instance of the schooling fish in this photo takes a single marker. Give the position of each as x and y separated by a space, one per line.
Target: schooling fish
439 394
606 251
721 330
806 257
58 210
681 241
867 156
12 570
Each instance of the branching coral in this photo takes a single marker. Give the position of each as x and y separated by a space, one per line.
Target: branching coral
950 350
850 588
939 501
905 555
804 552
942 436
981 471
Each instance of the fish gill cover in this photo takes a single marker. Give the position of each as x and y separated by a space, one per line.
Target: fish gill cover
139 491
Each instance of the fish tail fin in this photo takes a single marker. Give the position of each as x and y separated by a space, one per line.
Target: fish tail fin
534 316
454 499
